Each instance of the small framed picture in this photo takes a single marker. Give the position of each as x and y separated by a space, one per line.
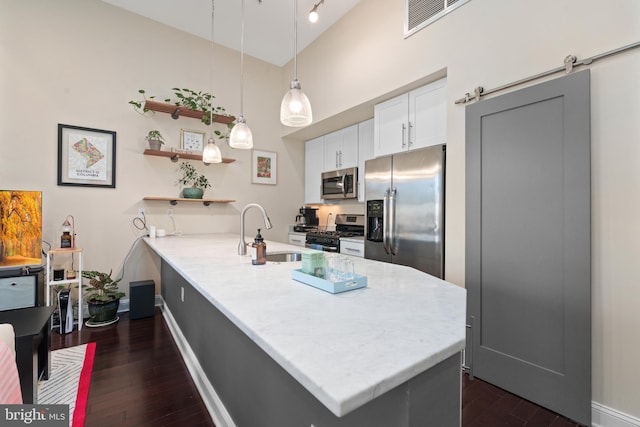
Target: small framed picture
264 167
192 140
86 156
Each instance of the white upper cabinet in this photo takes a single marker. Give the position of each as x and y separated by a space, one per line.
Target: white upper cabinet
341 149
428 115
413 120
365 152
391 119
313 167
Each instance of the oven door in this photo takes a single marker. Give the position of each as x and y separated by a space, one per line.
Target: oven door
340 184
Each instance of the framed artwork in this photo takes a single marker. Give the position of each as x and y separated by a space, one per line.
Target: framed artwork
192 140
86 156
264 167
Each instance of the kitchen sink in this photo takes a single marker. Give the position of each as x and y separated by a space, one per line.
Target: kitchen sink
284 256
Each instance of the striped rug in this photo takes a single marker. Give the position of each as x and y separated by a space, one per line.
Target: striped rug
69 380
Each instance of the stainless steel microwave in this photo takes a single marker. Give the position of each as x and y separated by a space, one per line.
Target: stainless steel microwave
340 184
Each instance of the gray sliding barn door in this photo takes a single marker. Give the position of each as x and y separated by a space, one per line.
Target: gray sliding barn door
528 243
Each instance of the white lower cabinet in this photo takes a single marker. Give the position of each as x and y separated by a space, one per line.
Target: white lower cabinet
353 248
297 239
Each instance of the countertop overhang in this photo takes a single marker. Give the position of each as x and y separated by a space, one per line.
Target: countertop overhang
345 349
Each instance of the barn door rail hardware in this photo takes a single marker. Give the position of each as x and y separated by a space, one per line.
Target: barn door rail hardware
570 62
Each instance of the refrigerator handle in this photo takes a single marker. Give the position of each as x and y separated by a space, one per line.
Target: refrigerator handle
392 221
385 222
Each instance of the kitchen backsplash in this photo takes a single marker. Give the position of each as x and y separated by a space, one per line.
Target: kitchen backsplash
334 209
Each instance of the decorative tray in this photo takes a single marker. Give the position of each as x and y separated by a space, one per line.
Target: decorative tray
357 282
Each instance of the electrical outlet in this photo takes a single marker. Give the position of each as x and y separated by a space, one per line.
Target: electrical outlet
141 213
169 212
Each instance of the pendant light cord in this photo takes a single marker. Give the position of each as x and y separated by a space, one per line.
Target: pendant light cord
213 8
242 63
295 39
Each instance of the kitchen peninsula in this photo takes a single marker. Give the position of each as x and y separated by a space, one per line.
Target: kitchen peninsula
281 353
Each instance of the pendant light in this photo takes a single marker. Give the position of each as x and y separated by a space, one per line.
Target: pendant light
241 136
211 153
295 110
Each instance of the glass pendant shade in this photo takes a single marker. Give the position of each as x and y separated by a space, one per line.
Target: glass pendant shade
241 136
295 110
211 153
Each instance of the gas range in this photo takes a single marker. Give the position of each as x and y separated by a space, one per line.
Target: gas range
346 226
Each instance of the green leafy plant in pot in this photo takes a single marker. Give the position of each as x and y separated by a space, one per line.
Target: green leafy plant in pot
155 139
103 296
194 183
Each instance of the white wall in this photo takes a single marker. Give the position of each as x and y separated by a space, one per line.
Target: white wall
79 62
364 58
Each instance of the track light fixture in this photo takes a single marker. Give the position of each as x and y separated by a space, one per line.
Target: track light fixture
313 13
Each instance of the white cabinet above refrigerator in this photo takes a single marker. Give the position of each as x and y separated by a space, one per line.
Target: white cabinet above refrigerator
410 121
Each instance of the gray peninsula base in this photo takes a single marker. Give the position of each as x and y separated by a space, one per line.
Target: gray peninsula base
257 391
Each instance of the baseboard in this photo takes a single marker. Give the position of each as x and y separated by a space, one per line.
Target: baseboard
603 416
212 401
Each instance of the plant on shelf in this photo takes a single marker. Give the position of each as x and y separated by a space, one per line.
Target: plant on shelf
103 296
187 98
194 183
155 139
139 107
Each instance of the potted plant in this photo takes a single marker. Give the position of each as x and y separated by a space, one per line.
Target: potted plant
194 183
103 297
155 139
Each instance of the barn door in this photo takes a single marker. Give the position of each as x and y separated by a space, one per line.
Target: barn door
528 243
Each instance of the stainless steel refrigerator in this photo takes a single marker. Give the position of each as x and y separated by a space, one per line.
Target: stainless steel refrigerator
405 209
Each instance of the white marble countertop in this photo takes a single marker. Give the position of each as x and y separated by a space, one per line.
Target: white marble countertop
345 349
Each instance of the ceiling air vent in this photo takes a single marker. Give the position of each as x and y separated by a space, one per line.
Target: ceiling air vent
420 13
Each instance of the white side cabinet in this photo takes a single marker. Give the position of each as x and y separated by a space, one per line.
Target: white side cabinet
71 282
313 168
365 152
413 120
297 239
352 247
341 149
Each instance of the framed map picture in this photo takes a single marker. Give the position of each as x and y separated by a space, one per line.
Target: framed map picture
86 157
264 167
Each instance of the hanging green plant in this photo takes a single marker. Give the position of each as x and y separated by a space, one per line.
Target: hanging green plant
190 99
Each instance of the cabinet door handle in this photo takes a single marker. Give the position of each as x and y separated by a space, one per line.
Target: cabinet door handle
337 161
404 143
352 250
409 134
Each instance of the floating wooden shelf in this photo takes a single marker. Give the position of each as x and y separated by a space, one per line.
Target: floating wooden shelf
177 111
175 200
174 155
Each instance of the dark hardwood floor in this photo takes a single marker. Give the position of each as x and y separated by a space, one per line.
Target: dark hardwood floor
139 379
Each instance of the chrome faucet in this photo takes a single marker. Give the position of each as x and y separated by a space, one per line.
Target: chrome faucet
242 246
